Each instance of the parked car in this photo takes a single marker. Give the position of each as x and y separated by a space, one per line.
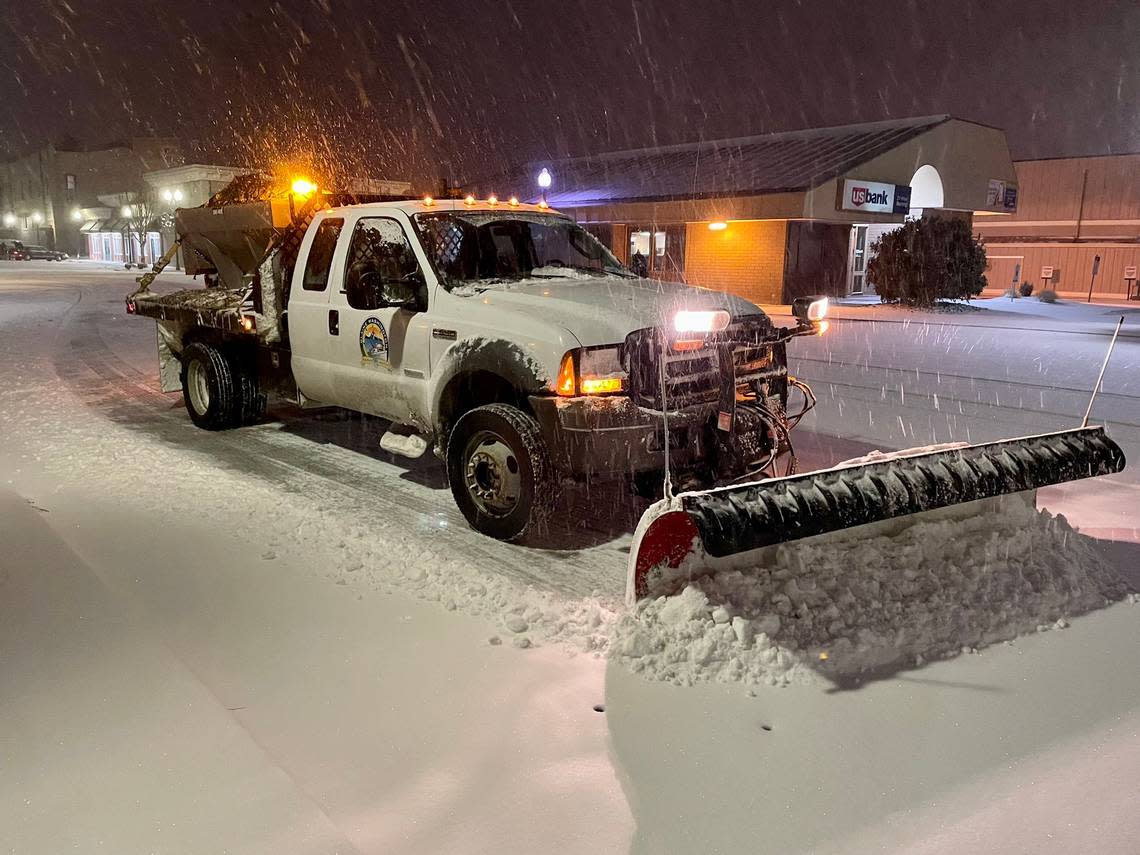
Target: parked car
42 253
12 250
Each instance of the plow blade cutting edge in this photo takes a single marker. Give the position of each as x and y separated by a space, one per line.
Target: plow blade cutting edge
687 536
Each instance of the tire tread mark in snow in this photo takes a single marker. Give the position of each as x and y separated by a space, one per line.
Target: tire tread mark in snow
105 382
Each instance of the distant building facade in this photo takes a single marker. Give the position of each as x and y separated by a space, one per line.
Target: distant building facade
782 215
109 235
1072 211
46 196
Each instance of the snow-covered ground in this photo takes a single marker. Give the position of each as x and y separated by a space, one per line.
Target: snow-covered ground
282 639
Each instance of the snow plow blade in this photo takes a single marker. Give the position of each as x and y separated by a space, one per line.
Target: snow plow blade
687 536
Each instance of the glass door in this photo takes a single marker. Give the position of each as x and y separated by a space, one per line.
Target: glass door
858 264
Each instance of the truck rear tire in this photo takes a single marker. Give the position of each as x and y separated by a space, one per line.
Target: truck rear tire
500 471
211 388
250 398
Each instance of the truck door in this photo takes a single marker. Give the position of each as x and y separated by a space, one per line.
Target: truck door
313 323
379 361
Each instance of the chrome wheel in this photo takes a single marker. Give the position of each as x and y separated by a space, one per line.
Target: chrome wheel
491 474
198 385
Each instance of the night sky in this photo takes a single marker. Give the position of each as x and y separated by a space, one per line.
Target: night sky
418 88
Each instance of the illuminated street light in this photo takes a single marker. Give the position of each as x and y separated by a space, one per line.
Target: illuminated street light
168 195
177 195
126 210
544 179
76 215
37 217
9 220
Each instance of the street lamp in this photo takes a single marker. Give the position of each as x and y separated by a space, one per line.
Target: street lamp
9 220
177 195
168 195
544 180
126 211
76 215
37 218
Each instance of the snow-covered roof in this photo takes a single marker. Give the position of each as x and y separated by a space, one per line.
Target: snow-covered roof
768 163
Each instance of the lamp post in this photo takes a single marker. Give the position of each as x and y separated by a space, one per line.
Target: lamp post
544 180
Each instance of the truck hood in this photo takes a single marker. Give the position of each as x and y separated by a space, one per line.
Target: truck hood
605 309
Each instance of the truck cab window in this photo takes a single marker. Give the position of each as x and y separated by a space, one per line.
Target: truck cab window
381 264
321 254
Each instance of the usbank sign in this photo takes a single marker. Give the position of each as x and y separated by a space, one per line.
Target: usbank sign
874 197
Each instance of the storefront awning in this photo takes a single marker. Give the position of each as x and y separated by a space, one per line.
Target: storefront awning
108 225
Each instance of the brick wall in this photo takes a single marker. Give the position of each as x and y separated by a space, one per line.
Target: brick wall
747 258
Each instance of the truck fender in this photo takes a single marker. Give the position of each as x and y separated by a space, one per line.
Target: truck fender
500 358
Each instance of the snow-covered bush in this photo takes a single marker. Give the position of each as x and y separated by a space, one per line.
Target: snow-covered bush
1048 296
928 259
1025 289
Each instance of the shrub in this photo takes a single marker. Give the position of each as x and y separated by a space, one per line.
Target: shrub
928 259
1026 289
1048 296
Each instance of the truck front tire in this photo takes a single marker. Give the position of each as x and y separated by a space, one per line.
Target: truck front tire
218 391
500 471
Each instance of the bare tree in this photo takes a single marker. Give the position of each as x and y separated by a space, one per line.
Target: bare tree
140 212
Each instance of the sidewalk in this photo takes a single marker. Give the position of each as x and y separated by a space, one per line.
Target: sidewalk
1023 314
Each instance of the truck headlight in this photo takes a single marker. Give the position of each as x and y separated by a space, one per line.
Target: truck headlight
592 371
701 322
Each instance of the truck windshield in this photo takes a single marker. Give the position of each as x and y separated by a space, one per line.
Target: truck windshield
479 248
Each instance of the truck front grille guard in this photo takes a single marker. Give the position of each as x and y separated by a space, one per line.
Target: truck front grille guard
693 378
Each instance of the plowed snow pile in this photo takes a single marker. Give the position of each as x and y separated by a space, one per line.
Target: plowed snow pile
832 611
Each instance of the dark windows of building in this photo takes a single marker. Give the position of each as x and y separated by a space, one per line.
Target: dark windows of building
815 260
658 251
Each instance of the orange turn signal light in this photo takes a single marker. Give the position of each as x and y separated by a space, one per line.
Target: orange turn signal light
688 344
566 384
600 385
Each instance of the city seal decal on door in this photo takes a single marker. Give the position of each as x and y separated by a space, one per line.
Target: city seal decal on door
374 340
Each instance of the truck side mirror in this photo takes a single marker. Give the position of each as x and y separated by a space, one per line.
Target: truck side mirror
407 293
808 310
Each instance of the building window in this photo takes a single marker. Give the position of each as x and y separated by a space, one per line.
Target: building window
658 251
70 180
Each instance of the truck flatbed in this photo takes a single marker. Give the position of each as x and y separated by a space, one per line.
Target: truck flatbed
218 308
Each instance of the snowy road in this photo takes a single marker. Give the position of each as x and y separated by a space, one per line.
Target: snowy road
228 642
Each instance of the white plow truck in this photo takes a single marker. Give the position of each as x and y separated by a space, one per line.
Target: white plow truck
508 340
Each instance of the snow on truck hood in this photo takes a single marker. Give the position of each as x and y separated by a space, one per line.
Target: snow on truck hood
605 309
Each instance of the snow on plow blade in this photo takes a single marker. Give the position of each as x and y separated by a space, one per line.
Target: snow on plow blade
684 537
